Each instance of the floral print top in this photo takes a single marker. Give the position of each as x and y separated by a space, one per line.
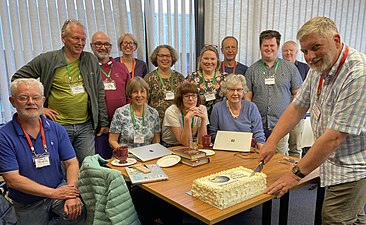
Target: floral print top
208 86
157 93
146 126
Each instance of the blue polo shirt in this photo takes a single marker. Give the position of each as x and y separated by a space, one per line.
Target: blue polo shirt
15 154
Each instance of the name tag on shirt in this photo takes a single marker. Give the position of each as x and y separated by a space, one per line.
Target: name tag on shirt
316 111
109 84
169 95
77 89
138 138
41 160
210 96
269 81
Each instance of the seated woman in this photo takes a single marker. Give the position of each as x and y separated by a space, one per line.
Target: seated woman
135 124
235 113
185 119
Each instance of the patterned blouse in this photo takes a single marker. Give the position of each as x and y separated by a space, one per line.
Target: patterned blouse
208 86
157 93
123 124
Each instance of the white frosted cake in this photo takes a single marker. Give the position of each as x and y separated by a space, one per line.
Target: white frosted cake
229 187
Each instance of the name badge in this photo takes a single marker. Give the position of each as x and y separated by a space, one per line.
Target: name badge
77 88
109 84
138 138
169 95
210 96
41 160
269 81
316 111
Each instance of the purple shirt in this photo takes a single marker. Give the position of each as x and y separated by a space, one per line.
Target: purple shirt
119 74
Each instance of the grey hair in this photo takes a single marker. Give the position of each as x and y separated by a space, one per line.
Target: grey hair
293 43
232 80
324 26
26 81
66 24
120 40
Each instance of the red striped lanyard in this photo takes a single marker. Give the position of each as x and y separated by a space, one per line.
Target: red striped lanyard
29 140
223 67
320 84
133 66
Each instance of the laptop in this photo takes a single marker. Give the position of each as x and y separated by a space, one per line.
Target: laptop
233 141
149 152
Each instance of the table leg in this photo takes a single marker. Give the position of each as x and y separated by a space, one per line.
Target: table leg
320 193
266 213
284 203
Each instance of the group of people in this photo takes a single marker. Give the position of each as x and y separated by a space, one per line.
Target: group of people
86 102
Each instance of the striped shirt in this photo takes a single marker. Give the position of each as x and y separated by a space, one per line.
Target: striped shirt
342 104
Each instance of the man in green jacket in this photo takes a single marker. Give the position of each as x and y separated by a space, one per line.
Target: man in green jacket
74 89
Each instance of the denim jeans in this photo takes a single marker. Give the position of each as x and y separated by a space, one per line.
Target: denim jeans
82 139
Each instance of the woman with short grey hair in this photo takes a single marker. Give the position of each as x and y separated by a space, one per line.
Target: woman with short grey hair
236 114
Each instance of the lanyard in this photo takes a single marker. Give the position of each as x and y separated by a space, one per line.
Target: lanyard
162 81
183 121
133 117
69 71
320 84
264 69
110 70
223 67
204 81
29 140
133 66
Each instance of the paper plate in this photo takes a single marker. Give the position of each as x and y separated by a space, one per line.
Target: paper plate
169 160
130 161
208 152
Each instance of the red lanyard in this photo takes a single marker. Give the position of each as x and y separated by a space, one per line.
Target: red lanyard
320 84
223 67
29 140
133 66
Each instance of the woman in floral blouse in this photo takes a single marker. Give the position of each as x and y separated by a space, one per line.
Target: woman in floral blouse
135 124
163 81
208 78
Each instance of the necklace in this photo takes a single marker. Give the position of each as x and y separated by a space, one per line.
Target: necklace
235 116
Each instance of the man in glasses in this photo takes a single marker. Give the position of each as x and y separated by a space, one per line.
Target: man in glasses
115 77
272 83
229 47
32 149
74 89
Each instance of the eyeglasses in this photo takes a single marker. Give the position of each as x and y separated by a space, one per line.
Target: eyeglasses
163 55
25 98
128 43
239 90
100 44
188 96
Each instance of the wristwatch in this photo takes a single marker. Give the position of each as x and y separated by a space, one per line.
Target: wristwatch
296 170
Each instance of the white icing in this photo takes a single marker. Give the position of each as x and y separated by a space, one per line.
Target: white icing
229 187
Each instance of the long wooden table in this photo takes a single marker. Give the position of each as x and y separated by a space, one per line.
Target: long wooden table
174 190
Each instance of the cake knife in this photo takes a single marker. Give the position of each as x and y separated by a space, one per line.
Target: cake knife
258 168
